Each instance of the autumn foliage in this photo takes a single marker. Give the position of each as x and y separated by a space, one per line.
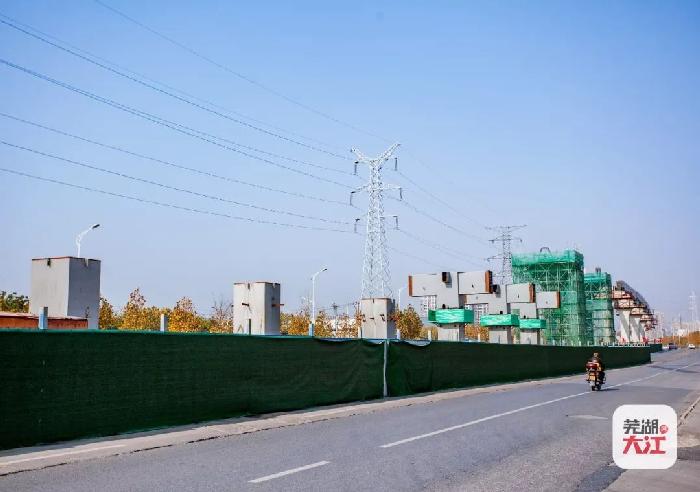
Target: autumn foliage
183 317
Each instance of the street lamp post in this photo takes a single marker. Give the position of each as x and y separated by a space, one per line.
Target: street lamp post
313 300
399 292
79 237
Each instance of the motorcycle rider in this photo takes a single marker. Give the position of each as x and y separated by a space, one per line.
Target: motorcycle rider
597 359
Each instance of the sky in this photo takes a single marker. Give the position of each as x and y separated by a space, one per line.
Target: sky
579 120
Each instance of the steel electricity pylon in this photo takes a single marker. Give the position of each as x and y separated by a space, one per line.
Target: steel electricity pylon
375 266
505 237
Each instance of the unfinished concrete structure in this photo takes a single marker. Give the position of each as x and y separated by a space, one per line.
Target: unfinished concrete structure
501 327
450 290
378 318
456 291
256 308
68 287
531 331
636 317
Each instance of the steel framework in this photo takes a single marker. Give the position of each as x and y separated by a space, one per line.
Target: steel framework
505 237
600 317
376 278
562 271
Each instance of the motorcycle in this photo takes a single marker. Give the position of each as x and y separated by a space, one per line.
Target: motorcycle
593 376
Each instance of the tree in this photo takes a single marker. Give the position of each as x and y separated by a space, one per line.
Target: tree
14 303
137 316
323 327
184 318
109 319
477 332
409 323
221 320
295 323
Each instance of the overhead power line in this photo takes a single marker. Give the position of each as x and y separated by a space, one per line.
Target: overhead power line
442 249
176 166
166 123
237 73
179 98
170 205
167 86
439 221
440 200
168 187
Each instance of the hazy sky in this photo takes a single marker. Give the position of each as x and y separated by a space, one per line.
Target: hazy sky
577 119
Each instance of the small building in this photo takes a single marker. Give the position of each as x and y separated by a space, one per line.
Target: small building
28 320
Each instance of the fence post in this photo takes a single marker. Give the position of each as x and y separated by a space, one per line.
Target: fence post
386 350
163 322
44 318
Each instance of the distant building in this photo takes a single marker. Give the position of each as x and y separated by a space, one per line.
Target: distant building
28 320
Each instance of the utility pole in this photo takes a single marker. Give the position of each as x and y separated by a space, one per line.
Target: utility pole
312 325
504 236
375 265
335 319
693 305
399 296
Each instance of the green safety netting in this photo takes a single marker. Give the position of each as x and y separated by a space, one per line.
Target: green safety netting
443 365
498 320
65 385
532 324
558 271
600 317
566 256
447 316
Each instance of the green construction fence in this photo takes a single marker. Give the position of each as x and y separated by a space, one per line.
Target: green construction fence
418 368
60 385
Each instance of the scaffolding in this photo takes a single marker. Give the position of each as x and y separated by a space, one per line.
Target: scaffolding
600 317
561 271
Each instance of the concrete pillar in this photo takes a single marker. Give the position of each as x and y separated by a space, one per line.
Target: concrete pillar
256 308
625 329
501 334
636 329
451 333
378 317
530 337
44 318
163 322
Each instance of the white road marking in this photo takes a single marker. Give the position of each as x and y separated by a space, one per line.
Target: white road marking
289 472
518 410
57 455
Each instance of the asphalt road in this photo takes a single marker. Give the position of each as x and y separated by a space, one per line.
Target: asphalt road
554 436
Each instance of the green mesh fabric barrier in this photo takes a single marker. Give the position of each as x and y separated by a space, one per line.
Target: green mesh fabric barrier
533 324
61 385
600 317
655 347
558 271
499 320
447 316
443 365
566 256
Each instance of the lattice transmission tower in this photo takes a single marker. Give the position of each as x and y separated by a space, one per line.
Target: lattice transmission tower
693 306
505 238
376 279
